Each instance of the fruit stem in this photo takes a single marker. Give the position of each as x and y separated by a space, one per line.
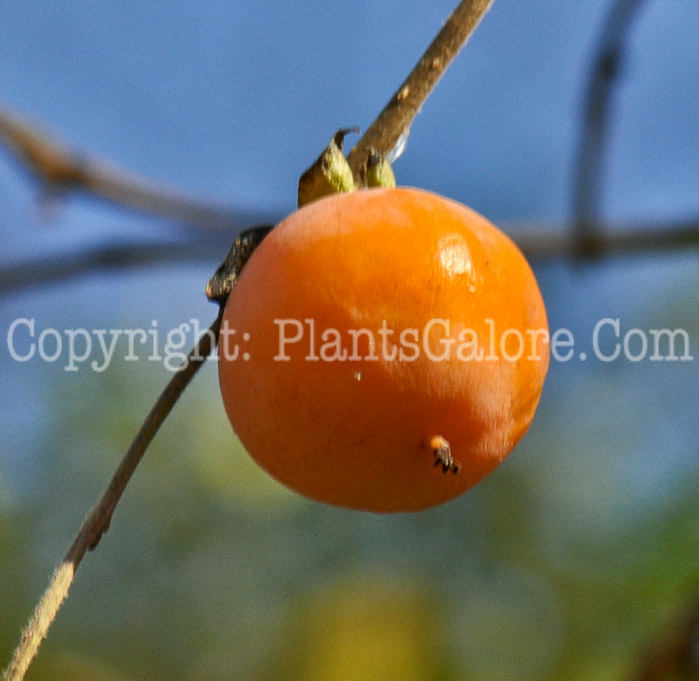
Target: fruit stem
398 114
223 281
98 521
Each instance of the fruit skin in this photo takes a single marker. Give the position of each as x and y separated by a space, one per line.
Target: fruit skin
357 433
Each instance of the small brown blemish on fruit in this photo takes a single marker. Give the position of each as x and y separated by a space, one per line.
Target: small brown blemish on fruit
442 455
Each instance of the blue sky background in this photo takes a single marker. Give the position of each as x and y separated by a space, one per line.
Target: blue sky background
230 102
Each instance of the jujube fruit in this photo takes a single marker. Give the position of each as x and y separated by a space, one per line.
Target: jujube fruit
359 324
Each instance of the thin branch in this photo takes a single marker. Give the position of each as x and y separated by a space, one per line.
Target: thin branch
98 521
398 114
590 157
113 257
63 170
548 244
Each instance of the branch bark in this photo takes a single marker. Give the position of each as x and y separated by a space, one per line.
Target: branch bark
397 115
98 521
63 171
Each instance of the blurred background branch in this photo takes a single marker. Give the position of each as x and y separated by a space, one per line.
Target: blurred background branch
115 257
56 166
62 170
603 77
537 243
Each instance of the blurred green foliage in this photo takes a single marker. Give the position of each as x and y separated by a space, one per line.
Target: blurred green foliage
568 562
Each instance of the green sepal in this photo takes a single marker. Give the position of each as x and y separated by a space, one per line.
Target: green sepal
330 174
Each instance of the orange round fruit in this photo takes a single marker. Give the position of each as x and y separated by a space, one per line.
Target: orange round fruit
383 349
